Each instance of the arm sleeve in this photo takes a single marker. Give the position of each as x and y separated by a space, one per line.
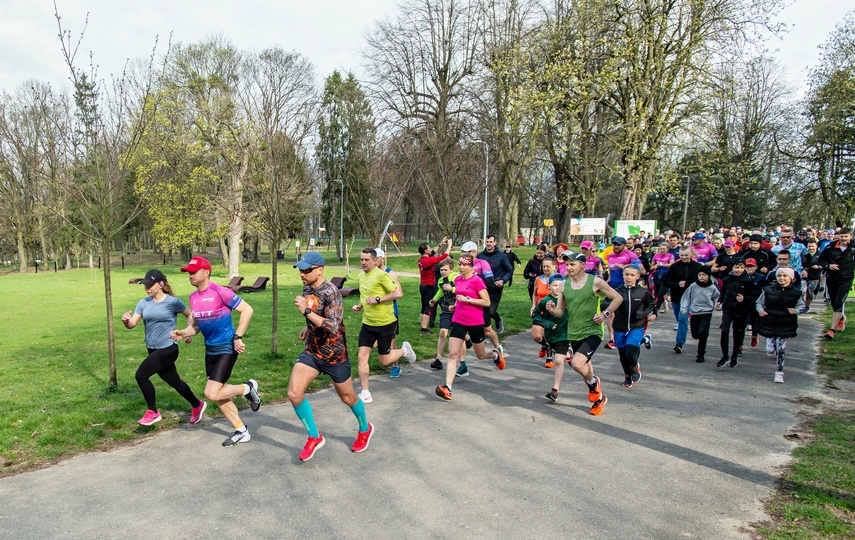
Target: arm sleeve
761 302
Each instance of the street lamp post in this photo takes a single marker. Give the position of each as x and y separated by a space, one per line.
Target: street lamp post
341 223
486 178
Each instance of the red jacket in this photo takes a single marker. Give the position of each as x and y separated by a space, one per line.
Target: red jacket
427 275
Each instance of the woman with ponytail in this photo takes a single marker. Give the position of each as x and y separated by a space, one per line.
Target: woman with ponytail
159 311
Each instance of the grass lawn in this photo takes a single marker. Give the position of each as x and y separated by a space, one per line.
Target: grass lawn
54 365
816 498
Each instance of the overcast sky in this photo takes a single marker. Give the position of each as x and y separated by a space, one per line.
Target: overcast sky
328 32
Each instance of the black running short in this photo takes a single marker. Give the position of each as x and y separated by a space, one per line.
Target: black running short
339 372
476 333
382 335
219 367
445 319
561 347
587 346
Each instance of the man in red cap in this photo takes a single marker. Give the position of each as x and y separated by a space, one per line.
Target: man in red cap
211 306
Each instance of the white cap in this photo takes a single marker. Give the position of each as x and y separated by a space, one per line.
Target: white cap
469 246
380 252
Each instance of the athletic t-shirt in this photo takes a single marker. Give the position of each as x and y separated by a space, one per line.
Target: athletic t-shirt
326 342
581 306
554 328
159 319
706 252
625 257
592 263
371 285
212 309
465 313
659 258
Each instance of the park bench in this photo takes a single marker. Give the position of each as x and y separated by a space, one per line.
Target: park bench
345 291
259 285
135 281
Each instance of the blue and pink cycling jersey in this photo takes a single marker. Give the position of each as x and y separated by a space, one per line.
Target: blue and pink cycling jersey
212 310
625 257
482 268
706 253
592 264
661 259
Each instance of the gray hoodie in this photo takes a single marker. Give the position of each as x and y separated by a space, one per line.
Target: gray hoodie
699 299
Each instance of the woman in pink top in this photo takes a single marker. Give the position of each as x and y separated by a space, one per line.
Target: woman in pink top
468 318
660 263
559 250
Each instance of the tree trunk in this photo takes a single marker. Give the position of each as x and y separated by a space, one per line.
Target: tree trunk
632 183
274 310
108 296
22 252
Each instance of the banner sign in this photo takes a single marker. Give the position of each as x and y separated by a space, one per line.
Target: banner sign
634 227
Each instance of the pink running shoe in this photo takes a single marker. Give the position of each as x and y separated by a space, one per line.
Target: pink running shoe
150 417
362 439
197 412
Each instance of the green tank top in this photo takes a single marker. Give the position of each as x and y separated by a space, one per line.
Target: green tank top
581 305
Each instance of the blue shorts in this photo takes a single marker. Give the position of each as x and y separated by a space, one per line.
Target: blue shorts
633 337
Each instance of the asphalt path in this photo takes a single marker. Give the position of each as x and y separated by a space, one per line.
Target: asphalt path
689 452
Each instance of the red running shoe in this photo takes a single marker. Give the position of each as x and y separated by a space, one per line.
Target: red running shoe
311 447
542 353
595 393
597 407
362 439
755 340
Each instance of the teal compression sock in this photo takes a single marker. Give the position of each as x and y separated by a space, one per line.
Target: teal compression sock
359 413
304 413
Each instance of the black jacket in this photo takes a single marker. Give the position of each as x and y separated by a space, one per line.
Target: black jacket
808 262
779 322
533 268
735 285
637 304
832 254
680 271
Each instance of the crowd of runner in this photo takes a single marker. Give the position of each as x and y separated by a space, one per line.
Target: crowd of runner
760 280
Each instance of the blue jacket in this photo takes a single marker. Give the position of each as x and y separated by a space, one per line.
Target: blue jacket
499 263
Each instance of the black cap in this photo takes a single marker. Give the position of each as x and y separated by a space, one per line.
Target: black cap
755 238
151 277
579 257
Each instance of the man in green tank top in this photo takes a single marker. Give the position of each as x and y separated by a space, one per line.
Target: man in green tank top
580 298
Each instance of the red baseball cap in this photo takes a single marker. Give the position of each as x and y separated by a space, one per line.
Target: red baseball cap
750 262
196 264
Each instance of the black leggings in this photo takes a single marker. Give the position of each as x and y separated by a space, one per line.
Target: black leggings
700 324
661 290
738 322
629 359
162 362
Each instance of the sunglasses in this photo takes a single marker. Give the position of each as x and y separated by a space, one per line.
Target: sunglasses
307 270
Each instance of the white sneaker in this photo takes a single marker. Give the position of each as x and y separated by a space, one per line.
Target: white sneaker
779 376
409 353
365 396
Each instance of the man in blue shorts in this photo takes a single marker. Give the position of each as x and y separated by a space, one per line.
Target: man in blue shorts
326 352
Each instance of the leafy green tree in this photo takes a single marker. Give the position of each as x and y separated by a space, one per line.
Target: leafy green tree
344 152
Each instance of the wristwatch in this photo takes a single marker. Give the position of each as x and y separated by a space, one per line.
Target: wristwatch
307 311
377 299
607 314
468 299
237 337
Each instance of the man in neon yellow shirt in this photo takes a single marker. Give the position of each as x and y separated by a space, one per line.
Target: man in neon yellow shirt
377 292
